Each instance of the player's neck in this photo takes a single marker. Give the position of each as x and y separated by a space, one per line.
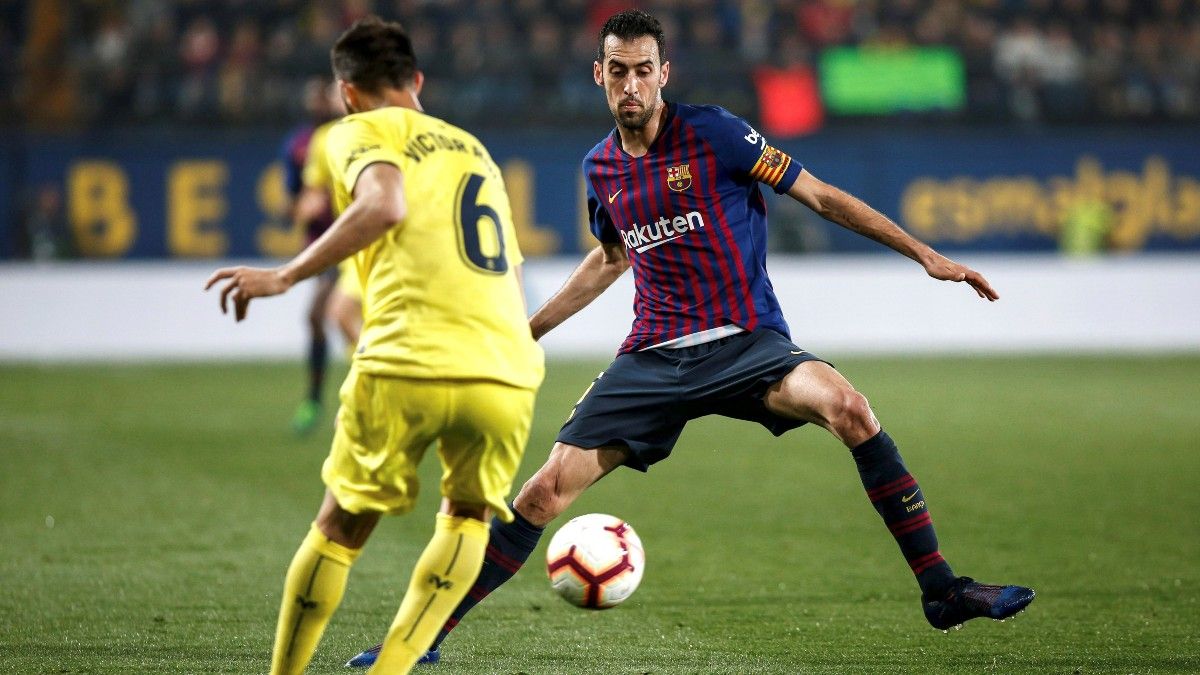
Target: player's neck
392 98
637 142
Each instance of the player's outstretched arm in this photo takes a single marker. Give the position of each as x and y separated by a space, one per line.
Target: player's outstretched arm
599 269
854 214
378 205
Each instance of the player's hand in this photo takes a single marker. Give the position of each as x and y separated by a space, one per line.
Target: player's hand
941 267
244 284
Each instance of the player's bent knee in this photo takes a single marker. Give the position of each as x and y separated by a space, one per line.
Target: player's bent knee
856 407
852 417
539 501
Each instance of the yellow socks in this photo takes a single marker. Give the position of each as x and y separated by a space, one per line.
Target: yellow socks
441 579
312 590
316 580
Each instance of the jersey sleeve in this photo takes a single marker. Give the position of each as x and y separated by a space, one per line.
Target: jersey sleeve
316 162
599 221
354 144
744 151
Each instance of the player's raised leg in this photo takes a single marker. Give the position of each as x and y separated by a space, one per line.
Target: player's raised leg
315 582
566 474
815 392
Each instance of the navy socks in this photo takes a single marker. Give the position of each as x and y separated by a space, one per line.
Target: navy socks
317 356
898 499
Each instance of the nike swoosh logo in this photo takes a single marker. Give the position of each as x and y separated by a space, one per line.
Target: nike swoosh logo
614 195
799 352
909 498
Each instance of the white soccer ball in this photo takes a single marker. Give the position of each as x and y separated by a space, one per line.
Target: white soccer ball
595 561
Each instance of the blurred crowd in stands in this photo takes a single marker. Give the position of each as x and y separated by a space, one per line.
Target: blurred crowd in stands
79 63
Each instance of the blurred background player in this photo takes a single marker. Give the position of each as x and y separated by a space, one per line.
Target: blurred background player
345 304
308 184
423 210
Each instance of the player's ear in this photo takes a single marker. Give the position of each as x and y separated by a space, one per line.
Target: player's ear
349 96
337 102
418 82
598 73
664 73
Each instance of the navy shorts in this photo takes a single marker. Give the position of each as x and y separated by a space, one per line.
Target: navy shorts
643 400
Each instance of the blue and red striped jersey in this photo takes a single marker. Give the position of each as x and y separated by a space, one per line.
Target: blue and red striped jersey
691 216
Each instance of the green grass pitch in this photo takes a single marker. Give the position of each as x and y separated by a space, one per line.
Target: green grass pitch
148 512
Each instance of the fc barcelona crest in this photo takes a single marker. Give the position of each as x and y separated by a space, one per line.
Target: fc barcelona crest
772 158
679 178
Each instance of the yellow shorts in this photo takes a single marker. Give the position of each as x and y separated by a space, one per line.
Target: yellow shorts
347 281
386 423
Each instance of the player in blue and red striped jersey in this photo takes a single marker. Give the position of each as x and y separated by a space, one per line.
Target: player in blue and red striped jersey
673 194
307 186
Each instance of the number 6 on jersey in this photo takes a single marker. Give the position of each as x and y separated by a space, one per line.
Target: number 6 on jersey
471 243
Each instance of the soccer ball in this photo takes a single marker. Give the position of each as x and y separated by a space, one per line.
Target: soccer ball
595 561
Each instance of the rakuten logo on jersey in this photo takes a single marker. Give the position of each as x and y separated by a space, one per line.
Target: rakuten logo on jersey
642 238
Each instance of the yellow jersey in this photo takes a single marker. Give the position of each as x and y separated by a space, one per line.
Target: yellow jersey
316 163
441 295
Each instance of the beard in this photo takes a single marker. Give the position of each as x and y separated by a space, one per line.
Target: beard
635 119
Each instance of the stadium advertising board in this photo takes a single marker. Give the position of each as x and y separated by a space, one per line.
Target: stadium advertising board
219 195
878 81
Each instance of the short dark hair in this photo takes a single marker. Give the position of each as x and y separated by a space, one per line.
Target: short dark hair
630 25
374 54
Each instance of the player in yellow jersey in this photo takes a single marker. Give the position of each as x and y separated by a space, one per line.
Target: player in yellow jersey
445 355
